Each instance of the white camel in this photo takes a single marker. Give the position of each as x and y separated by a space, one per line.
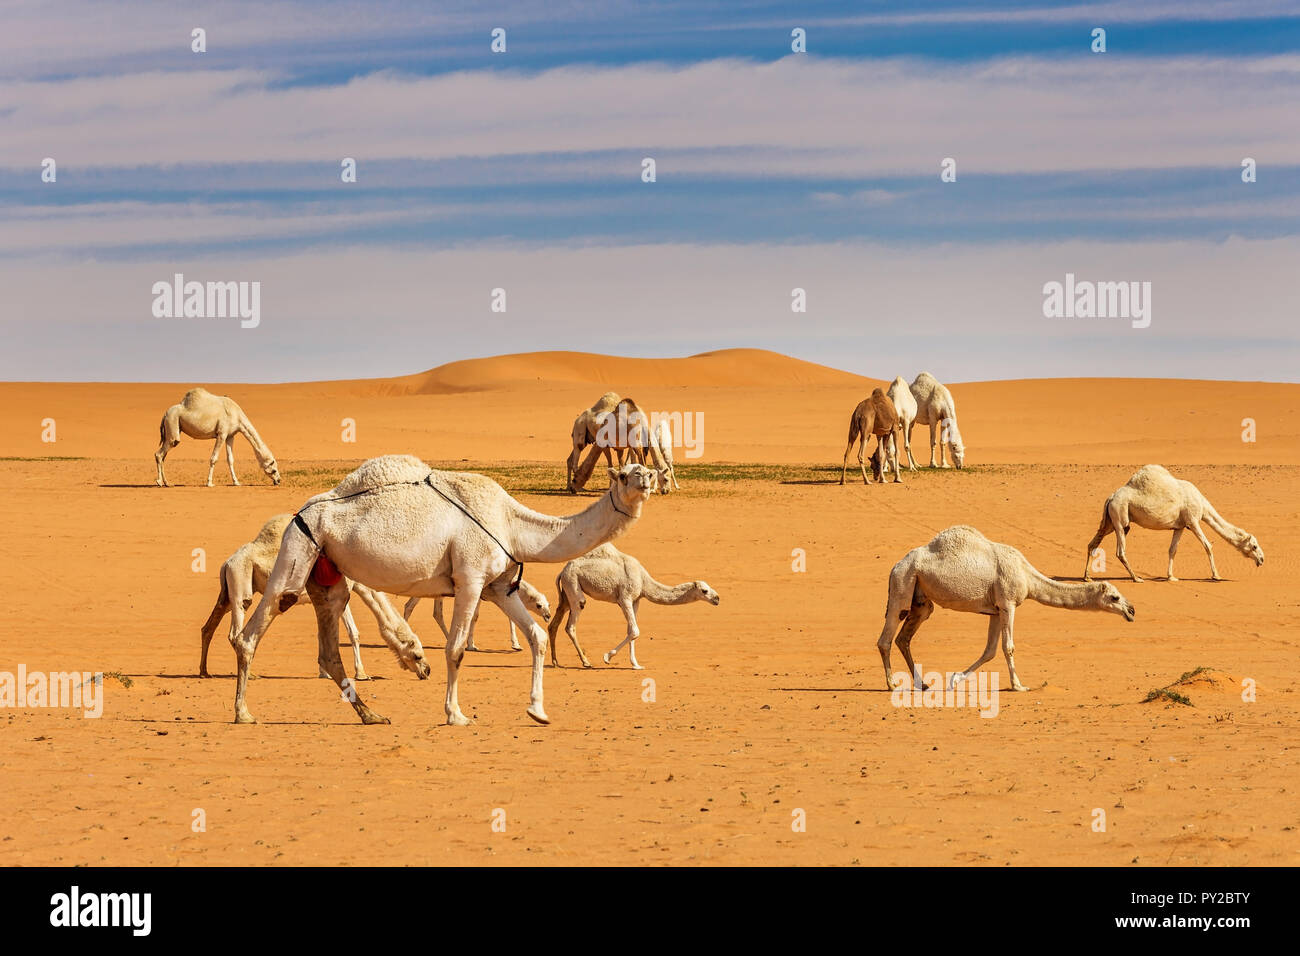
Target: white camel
201 414
607 574
905 407
244 574
533 599
397 525
1155 499
662 437
935 407
962 570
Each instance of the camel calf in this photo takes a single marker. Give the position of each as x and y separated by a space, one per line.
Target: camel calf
608 574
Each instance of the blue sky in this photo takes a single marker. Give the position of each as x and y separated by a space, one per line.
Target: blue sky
775 170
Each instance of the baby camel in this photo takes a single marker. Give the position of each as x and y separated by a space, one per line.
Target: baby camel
1155 499
607 574
533 599
962 570
244 574
200 414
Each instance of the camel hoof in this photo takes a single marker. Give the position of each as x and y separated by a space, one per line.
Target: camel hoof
1171 578
1137 580
204 674
370 717
586 663
1019 686
538 715
457 720
245 718
606 656
361 675
637 667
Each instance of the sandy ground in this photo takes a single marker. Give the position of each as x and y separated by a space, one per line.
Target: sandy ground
770 704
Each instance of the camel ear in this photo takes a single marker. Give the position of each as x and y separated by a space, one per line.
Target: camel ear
612 473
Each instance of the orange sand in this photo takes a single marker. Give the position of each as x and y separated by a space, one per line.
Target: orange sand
772 702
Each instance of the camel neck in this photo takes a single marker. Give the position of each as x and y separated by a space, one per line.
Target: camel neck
552 540
254 439
659 593
1065 594
1225 529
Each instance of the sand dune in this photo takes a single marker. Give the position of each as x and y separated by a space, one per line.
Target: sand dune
772 701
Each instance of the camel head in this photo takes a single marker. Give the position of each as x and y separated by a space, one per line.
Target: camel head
1111 600
410 654
702 592
1251 549
955 443
272 470
631 486
535 600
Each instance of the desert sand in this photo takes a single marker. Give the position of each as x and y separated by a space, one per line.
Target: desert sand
772 703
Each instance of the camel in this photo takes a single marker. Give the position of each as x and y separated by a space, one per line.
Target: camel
905 405
201 414
962 570
627 430
1155 499
397 525
533 599
584 434
873 416
662 438
607 574
935 407
244 574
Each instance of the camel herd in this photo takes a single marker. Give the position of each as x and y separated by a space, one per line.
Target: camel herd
396 526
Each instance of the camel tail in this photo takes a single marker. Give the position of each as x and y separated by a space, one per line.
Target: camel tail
561 610
853 428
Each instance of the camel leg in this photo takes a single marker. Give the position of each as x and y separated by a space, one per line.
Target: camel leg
557 620
997 624
437 619
470 645
285 585
354 637
633 632
514 638
933 441
1105 529
907 444
210 627
159 457
329 604
409 609
1209 549
464 605
216 453
902 589
514 609
230 458
1120 551
844 469
893 450
1009 648
1173 549
577 601
918 615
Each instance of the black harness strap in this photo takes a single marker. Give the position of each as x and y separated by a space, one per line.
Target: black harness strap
302 526
519 575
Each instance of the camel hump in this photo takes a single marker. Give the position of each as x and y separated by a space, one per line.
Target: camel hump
273 530
955 537
1151 477
384 470
196 396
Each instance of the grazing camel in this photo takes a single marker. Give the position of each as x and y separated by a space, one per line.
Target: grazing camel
607 574
905 405
962 570
397 525
583 434
935 407
201 414
627 430
244 574
873 416
533 599
661 435
1157 500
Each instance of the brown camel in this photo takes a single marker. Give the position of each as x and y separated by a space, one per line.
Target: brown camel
583 434
873 416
